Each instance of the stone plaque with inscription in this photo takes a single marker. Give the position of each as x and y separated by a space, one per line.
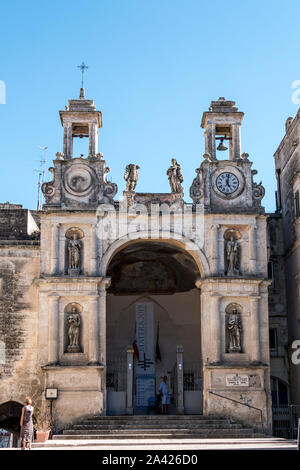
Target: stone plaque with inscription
237 380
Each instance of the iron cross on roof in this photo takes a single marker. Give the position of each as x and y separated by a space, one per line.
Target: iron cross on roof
83 67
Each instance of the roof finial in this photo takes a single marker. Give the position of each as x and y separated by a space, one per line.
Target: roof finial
83 67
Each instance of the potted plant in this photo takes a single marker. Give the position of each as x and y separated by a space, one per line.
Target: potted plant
43 425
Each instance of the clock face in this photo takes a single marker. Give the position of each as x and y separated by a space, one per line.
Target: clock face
227 183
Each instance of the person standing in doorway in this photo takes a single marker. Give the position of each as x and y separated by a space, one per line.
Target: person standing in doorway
164 392
27 424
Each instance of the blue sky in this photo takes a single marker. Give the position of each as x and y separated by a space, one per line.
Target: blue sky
154 67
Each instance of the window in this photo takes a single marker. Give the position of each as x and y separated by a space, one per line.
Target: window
271 272
297 204
273 342
280 395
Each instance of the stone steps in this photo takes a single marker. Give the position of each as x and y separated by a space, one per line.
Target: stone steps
213 434
156 426
157 417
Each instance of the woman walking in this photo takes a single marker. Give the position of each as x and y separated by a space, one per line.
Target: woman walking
26 424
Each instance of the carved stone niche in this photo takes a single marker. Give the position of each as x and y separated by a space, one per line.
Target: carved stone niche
73 328
232 252
74 251
234 328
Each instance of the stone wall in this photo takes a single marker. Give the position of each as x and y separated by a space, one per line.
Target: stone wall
287 161
19 374
277 298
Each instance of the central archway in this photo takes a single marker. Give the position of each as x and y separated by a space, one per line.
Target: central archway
153 280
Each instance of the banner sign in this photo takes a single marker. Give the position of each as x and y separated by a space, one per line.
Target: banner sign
145 366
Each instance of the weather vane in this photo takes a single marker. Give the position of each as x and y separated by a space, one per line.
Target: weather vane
83 67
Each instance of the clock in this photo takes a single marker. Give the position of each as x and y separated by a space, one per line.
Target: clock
227 183
79 179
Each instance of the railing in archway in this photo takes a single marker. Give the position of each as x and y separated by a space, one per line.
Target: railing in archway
116 385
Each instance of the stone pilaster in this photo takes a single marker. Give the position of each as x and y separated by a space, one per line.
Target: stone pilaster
93 330
210 140
53 329
93 140
55 248
214 249
215 329
102 336
255 329
252 249
235 143
68 140
105 283
93 250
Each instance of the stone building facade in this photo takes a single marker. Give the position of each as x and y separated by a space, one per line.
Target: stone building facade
287 166
101 298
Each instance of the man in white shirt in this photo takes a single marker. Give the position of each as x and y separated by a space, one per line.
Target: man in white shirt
164 392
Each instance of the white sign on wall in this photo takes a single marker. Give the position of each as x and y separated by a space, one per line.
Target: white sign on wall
237 380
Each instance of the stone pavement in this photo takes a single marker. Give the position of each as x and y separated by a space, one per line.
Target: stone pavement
167 444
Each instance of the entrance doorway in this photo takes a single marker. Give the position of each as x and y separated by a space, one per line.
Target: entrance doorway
153 306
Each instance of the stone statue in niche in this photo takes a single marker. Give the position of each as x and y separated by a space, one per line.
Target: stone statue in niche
234 327
175 177
74 248
73 320
232 256
131 176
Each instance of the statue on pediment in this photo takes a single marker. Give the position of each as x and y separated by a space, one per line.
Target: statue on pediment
175 177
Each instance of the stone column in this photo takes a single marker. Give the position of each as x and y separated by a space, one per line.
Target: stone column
210 140
93 140
53 330
252 249
235 147
93 330
180 391
93 250
255 329
68 141
214 247
129 381
215 329
55 248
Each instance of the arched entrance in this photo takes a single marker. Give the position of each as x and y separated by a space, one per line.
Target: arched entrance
153 299
10 414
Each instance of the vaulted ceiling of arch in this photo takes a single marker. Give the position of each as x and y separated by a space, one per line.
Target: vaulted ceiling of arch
157 268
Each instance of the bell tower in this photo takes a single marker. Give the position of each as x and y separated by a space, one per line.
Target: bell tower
79 182
222 122
225 184
80 119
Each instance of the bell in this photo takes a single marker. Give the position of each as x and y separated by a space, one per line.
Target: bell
222 146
